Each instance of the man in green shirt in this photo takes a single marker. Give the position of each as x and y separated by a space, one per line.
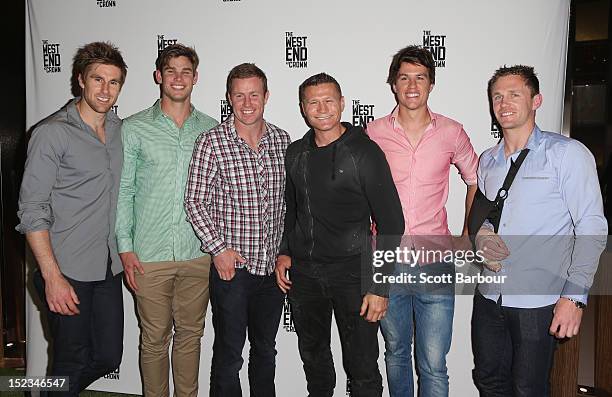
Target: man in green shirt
159 250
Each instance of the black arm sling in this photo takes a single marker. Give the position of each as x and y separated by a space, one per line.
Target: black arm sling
483 209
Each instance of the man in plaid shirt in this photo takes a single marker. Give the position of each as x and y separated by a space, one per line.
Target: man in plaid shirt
235 202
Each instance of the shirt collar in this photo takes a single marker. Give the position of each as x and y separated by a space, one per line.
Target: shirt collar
535 138
158 113
75 117
394 114
231 128
73 113
233 133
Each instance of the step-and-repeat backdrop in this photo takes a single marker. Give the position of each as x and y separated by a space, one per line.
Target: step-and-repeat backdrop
291 40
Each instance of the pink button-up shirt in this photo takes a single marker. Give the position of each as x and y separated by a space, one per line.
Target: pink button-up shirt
421 174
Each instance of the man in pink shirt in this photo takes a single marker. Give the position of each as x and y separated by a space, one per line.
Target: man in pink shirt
420 147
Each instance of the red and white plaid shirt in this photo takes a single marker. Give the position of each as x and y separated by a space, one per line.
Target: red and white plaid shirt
235 195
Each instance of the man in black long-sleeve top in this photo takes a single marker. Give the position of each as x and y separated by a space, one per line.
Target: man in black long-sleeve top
338 180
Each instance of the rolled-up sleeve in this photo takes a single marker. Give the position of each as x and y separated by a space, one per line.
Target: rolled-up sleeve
45 151
465 158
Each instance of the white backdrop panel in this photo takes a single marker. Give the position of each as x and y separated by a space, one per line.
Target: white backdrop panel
352 40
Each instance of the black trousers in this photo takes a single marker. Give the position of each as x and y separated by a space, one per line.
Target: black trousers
88 345
513 351
317 290
246 302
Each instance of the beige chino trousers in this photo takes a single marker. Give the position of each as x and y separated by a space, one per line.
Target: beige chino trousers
172 294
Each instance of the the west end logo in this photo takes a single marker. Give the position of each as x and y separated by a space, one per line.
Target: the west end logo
226 110
106 3
163 42
296 51
113 375
436 44
495 131
362 114
287 319
51 57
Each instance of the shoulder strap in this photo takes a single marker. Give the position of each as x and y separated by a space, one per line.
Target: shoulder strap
502 193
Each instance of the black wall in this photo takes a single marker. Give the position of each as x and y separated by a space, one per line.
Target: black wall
12 140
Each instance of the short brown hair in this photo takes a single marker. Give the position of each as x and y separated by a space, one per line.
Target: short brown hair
244 71
105 53
415 55
320 78
174 51
526 72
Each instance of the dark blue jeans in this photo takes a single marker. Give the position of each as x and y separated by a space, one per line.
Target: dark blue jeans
317 290
513 351
246 302
88 345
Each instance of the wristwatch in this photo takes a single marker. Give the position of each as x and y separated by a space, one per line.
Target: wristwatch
578 304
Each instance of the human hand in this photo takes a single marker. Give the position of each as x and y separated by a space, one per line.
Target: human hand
566 320
225 263
131 263
283 263
373 307
461 243
60 295
492 248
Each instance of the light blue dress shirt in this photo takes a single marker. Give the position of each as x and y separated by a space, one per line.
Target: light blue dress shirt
552 221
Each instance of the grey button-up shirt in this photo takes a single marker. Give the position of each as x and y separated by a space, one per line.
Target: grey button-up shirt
70 187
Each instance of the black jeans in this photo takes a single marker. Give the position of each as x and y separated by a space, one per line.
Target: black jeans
513 351
317 290
88 345
244 302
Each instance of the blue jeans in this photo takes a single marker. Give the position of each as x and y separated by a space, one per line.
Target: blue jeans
430 316
513 351
88 345
244 303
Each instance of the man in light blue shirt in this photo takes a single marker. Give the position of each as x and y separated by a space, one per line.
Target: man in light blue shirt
550 236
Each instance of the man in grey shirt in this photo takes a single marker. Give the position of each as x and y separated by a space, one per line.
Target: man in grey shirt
67 210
